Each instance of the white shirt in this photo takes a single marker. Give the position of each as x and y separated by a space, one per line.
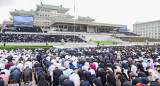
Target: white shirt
20 66
75 64
48 58
58 65
51 68
2 66
92 71
118 69
144 65
28 63
151 70
7 72
96 64
75 78
153 77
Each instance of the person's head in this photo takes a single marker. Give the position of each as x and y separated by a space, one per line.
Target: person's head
118 73
133 77
122 80
84 70
2 72
147 68
149 61
70 63
65 79
82 79
27 67
136 62
16 69
99 68
150 74
42 78
26 83
28 59
51 63
131 64
129 72
56 67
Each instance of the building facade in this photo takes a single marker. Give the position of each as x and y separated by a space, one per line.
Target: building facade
148 29
52 18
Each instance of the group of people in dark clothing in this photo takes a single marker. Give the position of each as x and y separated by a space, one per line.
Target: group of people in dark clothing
91 66
38 38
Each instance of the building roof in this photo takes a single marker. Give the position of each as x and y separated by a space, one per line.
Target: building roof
80 18
55 18
30 12
146 22
53 7
88 23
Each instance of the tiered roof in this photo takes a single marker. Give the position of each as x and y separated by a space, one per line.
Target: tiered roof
80 18
30 12
53 7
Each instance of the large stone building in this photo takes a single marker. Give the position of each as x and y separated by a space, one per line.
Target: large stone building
148 29
55 18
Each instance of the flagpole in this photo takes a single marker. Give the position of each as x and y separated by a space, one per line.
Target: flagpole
74 21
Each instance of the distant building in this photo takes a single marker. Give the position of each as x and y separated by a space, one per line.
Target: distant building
55 18
148 29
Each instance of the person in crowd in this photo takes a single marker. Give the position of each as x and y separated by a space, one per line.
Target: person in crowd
67 82
95 66
84 82
56 74
4 77
43 81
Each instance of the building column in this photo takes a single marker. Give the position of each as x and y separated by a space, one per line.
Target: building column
67 27
58 27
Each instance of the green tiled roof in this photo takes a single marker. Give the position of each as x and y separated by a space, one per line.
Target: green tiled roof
69 15
31 12
85 18
53 7
60 18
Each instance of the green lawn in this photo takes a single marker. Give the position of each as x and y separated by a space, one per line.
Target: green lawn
25 46
105 42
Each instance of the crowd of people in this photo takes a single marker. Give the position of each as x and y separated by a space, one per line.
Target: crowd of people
96 66
36 38
138 39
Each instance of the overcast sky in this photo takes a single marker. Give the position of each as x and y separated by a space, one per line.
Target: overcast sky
125 12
